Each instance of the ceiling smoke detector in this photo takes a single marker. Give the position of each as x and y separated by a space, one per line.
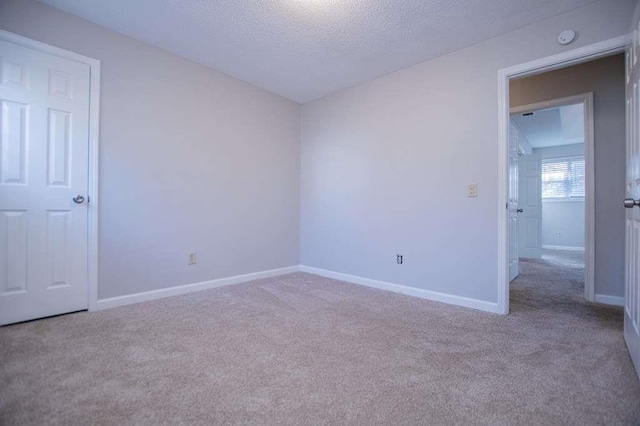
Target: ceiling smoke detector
566 37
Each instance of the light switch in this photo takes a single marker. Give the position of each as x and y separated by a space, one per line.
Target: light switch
472 190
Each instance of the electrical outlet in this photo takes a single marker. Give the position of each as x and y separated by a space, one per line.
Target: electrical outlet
559 234
472 190
193 258
399 259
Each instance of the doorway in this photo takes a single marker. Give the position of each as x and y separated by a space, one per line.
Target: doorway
552 190
48 180
505 76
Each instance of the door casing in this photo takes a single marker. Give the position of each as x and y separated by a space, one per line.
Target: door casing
549 63
94 115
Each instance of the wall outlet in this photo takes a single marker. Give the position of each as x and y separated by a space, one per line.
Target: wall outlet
399 259
472 190
193 258
559 234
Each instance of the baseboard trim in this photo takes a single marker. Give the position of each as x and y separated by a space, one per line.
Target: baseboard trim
568 248
451 299
146 296
482 305
609 300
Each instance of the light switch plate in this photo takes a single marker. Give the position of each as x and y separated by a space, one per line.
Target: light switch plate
472 190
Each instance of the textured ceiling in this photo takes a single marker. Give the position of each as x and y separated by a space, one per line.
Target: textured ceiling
553 126
306 49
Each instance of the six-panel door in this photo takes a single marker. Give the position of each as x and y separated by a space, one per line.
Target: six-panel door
44 116
632 275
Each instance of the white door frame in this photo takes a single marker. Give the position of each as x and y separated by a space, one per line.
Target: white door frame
94 115
586 99
560 60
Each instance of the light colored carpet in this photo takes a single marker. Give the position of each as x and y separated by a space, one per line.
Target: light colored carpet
569 258
300 349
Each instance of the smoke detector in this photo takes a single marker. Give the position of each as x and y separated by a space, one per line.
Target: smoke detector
566 37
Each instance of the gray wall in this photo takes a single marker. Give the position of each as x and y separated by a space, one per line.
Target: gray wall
605 78
190 160
385 164
566 216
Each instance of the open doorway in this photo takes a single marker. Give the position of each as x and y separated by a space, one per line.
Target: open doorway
552 190
559 103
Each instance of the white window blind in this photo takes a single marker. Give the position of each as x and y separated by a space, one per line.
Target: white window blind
563 178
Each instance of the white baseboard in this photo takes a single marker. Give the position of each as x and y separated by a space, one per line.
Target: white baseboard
146 296
563 248
609 300
451 299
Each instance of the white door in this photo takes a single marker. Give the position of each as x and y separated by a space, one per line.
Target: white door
632 248
513 201
44 116
530 206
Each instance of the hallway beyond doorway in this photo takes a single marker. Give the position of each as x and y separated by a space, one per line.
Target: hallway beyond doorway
556 282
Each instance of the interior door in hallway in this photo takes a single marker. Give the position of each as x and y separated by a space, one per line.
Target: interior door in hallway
44 128
530 206
632 202
514 256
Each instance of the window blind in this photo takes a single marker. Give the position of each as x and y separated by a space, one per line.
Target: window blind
563 178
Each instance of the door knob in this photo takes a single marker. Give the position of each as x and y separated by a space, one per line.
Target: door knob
520 210
78 199
630 202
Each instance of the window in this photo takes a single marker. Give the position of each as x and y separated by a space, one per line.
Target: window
563 178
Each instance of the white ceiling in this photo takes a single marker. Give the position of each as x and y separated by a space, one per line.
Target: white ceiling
553 127
306 49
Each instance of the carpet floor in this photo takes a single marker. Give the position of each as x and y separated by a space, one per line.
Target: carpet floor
301 349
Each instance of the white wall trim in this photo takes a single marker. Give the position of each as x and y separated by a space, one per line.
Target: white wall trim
549 63
94 135
451 299
609 300
568 248
114 302
147 296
